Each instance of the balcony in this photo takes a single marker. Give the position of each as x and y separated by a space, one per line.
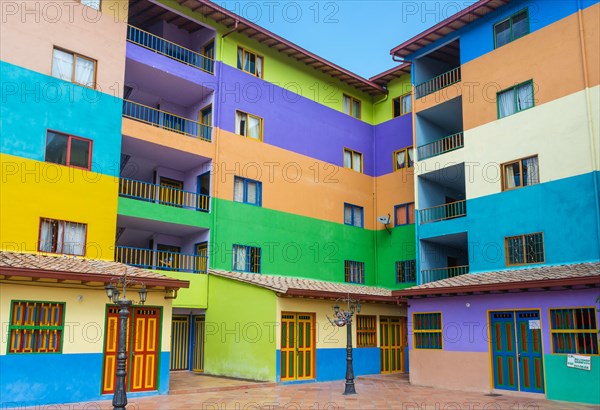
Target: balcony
161 194
441 146
169 49
431 275
166 120
161 260
443 212
437 83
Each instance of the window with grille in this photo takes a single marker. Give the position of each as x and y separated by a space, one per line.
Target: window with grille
36 327
246 258
366 331
427 328
574 330
406 271
355 271
524 249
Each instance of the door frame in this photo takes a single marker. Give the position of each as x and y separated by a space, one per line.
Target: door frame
313 349
491 351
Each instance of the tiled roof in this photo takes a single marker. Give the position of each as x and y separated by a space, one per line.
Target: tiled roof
289 285
528 278
70 268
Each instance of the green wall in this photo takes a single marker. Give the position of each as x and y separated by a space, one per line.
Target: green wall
196 296
157 212
240 330
382 109
294 245
568 384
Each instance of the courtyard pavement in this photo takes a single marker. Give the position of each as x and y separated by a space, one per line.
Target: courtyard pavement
190 391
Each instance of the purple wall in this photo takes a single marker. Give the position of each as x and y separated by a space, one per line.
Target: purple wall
388 137
465 329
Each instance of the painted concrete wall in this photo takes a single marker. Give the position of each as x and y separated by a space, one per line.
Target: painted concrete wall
23 384
466 340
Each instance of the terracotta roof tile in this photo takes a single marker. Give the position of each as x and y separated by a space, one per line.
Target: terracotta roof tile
71 265
287 284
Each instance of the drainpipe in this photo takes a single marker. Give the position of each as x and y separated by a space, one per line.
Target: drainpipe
590 122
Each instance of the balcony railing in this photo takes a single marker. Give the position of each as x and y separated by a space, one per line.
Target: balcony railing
441 146
170 49
443 212
431 275
161 260
164 195
166 120
437 83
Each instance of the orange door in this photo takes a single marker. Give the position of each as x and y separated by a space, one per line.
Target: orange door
142 349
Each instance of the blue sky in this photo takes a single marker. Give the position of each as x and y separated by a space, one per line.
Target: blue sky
355 34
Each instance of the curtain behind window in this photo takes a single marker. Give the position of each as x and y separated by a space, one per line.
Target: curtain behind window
358 217
240 123
506 103
347 103
46 235
411 160
254 127
238 190
62 65
400 159
347 159
251 195
240 57
531 171
509 176
406 104
259 67
73 238
348 215
84 72
356 162
239 258
524 96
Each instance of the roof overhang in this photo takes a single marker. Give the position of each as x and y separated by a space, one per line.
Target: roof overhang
81 277
384 78
448 26
320 294
545 284
272 40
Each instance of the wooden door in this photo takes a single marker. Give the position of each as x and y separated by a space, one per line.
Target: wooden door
393 338
297 357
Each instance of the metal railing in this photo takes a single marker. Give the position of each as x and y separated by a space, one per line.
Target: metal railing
437 83
170 49
161 260
443 212
164 195
166 120
438 147
431 275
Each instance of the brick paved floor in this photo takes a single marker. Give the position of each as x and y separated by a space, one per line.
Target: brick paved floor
374 393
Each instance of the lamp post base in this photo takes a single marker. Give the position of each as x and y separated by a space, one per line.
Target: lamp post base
349 389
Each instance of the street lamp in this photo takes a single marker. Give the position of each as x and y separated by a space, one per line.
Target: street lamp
114 295
344 318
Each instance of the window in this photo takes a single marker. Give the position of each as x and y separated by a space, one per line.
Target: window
515 99
406 271
247 191
574 330
36 327
524 249
520 173
355 271
67 238
250 62
68 150
353 215
353 160
404 214
427 328
402 105
74 67
514 27
95 4
248 125
366 331
246 259
403 158
352 106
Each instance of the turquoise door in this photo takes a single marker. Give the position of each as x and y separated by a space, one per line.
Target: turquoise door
517 351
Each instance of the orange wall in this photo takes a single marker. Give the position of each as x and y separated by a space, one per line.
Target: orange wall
38 26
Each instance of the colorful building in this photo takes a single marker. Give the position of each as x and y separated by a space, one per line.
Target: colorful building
215 156
507 190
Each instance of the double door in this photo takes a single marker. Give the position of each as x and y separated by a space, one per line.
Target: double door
516 343
187 343
297 357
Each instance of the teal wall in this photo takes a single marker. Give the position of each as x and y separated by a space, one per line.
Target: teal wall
240 330
568 384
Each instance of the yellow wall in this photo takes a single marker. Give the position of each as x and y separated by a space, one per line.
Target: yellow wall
38 26
32 189
329 336
85 312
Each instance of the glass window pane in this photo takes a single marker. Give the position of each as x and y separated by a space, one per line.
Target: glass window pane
356 108
524 96
411 213
238 190
356 162
506 103
62 65
396 107
240 58
400 159
56 148
254 127
515 250
406 104
358 217
80 153
502 33
84 71
347 103
252 191
520 25
347 214
530 171
347 159
95 4
401 215
411 160
240 123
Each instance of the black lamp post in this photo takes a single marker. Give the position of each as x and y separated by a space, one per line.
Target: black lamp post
113 293
344 318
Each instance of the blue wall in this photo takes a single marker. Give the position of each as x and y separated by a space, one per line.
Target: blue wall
33 103
38 379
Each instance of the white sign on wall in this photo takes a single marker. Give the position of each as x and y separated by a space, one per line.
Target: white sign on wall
579 362
534 324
